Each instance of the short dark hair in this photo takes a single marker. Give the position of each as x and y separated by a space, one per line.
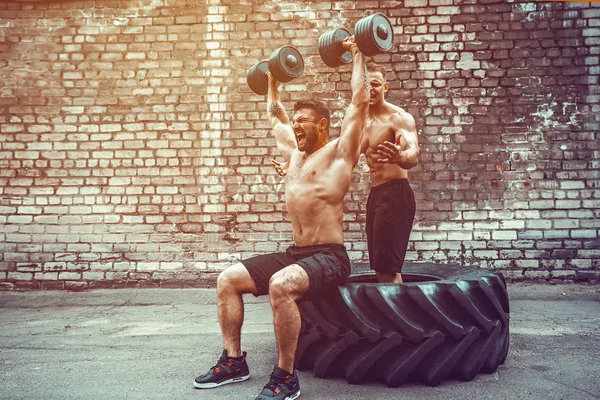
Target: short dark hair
374 67
319 107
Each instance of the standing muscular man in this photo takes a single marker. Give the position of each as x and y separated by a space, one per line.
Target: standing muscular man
391 147
317 179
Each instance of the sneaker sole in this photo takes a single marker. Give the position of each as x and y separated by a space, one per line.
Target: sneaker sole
294 396
210 385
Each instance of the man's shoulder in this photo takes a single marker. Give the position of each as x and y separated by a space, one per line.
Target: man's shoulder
402 117
398 111
392 112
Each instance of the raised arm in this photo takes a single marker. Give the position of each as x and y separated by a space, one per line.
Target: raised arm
280 122
349 144
405 152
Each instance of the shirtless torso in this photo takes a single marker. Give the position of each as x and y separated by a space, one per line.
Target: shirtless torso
318 168
314 192
389 141
380 128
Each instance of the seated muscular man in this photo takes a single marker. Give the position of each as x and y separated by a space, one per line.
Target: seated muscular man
317 179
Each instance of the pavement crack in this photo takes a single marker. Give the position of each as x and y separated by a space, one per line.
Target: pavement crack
572 387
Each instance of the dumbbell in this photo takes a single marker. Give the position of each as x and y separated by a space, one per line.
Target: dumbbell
374 35
285 64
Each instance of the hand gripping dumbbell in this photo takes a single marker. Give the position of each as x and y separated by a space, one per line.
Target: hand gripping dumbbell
373 34
285 64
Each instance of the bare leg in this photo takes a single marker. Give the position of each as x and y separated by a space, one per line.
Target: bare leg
285 288
232 283
389 277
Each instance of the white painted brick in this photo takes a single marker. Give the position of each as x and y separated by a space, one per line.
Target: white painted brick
536 274
514 224
429 245
562 274
556 234
527 263
504 235
585 234
73 276
50 276
93 275
485 254
20 276
170 266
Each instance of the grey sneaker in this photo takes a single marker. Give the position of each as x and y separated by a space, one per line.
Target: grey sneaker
281 386
227 370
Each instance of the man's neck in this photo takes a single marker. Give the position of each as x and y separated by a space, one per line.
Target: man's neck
377 108
318 145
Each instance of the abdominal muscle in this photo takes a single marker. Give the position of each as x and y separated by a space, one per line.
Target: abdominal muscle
314 221
382 172
314 199
377 131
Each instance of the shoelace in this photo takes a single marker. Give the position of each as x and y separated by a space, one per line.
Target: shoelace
275 381
221 362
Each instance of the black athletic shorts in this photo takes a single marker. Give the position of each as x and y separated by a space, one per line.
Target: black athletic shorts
390 214
327 266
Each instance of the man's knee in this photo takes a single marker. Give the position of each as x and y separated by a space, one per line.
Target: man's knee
278 287
291 282
235 278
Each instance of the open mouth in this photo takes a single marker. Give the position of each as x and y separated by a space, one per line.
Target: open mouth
300 136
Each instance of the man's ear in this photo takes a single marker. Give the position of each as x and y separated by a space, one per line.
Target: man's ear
323 124
386 86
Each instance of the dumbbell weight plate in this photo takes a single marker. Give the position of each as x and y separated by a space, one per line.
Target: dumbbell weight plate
286 63
257 79
330 48
374 34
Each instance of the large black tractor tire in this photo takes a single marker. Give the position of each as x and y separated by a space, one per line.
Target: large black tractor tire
445 321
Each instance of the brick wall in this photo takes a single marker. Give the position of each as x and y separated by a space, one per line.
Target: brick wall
133 153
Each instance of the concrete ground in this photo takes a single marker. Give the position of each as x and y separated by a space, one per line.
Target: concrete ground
151 343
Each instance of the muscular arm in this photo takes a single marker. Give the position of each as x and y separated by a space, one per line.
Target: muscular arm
407 130
405 152
349 145
280 121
